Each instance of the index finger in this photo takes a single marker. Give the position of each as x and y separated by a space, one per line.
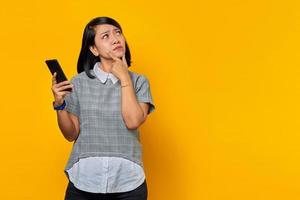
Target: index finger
124 60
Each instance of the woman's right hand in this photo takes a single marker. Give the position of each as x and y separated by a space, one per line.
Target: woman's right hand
58 90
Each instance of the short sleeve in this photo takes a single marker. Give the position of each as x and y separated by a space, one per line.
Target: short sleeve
143 92
72 105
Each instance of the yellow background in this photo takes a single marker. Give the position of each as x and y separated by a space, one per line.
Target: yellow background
224 77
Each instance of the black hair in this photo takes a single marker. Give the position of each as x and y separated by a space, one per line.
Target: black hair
87 59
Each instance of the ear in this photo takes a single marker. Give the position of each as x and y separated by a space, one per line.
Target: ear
94 50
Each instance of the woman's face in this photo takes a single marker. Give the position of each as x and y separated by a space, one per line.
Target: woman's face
108 38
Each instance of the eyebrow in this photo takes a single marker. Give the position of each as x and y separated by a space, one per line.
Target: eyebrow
108 31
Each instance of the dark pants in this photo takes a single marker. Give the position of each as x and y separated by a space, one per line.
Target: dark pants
140 193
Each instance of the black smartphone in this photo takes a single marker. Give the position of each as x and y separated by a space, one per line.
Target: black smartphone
54 66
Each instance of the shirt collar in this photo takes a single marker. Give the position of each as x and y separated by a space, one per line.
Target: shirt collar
102 75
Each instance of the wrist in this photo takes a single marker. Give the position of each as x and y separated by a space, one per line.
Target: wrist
60 106
126 84
58 103
125 79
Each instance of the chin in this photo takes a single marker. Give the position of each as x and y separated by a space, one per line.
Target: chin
119 54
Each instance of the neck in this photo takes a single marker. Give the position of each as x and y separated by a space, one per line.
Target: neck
106 65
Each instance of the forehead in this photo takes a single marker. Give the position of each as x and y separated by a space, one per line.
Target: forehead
104 27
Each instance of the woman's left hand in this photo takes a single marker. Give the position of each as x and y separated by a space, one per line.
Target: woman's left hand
119 67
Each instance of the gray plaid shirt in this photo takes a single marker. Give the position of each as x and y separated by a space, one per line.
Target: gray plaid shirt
102 129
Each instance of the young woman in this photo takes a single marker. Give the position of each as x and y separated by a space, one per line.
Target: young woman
102 114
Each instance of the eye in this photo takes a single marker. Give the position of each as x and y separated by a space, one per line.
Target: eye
104 36
118 32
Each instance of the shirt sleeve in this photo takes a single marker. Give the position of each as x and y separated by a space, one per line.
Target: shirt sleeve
143 92
72 103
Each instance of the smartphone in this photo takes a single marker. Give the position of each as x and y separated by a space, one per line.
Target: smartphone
54 66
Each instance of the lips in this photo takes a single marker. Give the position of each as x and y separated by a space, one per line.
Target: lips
117 47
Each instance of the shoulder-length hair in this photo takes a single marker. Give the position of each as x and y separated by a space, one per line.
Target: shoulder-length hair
86 59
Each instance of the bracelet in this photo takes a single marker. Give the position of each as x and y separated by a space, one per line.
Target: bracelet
125 85
60 107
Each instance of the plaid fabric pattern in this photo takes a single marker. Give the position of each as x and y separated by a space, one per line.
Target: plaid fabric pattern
102 129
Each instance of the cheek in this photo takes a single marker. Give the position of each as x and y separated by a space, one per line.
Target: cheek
102 49
123 41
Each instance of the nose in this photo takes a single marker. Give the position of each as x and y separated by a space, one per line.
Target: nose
115 40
